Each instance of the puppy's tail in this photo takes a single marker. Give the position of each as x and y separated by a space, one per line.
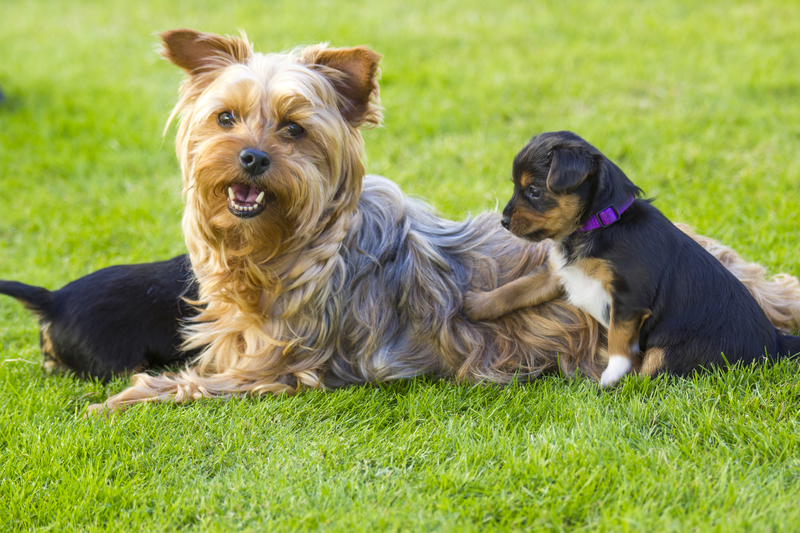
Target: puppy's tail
789 345
36 299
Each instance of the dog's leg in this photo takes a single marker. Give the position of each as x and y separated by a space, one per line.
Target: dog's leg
538 287
623 344
184 386
189 385
653 362
219 373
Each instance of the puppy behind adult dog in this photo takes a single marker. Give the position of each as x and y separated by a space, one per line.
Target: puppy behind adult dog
620 260
119 319
311 273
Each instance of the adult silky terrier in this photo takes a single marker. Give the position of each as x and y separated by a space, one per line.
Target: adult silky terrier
622 261
312 274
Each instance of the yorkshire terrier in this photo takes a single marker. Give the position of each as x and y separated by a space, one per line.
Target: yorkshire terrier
312 274
618 258
119 319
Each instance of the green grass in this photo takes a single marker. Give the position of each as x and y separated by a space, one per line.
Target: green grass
698 103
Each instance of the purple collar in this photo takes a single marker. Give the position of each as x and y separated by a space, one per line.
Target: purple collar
606 217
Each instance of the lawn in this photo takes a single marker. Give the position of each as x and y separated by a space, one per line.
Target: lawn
698 103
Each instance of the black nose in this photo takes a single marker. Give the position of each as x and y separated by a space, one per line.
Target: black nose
254 162
505 221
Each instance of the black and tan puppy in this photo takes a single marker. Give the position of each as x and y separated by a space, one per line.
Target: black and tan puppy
119 319
619 259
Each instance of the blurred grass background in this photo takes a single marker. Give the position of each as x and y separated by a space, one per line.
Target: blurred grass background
698 103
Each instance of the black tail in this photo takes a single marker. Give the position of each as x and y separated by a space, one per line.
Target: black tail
790 345
37 299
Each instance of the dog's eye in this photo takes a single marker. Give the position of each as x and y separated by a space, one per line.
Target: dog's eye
226 119
295 130
533 192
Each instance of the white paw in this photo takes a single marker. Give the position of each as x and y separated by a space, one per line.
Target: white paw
617 367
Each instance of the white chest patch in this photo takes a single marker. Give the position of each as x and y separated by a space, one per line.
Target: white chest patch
582 291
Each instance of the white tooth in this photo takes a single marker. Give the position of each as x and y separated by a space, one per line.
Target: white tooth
260 197
230 193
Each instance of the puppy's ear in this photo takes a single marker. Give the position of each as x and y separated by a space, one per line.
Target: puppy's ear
568 169
198 53
354 73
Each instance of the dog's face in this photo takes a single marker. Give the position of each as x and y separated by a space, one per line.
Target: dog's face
549 192
268 144
559 180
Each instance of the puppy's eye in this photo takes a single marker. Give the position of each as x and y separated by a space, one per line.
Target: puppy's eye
533 192
295 130
226 119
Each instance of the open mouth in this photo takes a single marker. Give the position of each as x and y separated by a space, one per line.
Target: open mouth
246 201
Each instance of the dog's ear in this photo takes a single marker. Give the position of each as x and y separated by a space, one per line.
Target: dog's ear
198 53
568 169
354 73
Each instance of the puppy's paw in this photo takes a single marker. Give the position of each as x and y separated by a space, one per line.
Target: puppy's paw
479 305
617 367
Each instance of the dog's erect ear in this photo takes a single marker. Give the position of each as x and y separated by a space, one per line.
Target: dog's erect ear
568 169
354 73
198 53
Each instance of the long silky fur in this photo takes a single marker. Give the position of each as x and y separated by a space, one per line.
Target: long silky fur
349 281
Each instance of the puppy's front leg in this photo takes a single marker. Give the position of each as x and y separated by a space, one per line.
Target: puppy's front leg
623 343
537 287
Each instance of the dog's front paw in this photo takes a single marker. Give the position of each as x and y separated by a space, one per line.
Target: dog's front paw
479 306
617 367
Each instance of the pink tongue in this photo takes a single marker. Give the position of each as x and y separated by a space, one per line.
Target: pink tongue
245 193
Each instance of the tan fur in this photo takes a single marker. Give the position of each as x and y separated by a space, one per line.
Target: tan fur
51 361
653 362
537 288
198 53
623 334
597 269
525 180
342 279
355 74
556 222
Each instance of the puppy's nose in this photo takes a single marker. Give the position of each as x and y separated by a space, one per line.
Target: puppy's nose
254 162
505 221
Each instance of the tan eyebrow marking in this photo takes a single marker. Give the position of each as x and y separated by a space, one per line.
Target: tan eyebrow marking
525 180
